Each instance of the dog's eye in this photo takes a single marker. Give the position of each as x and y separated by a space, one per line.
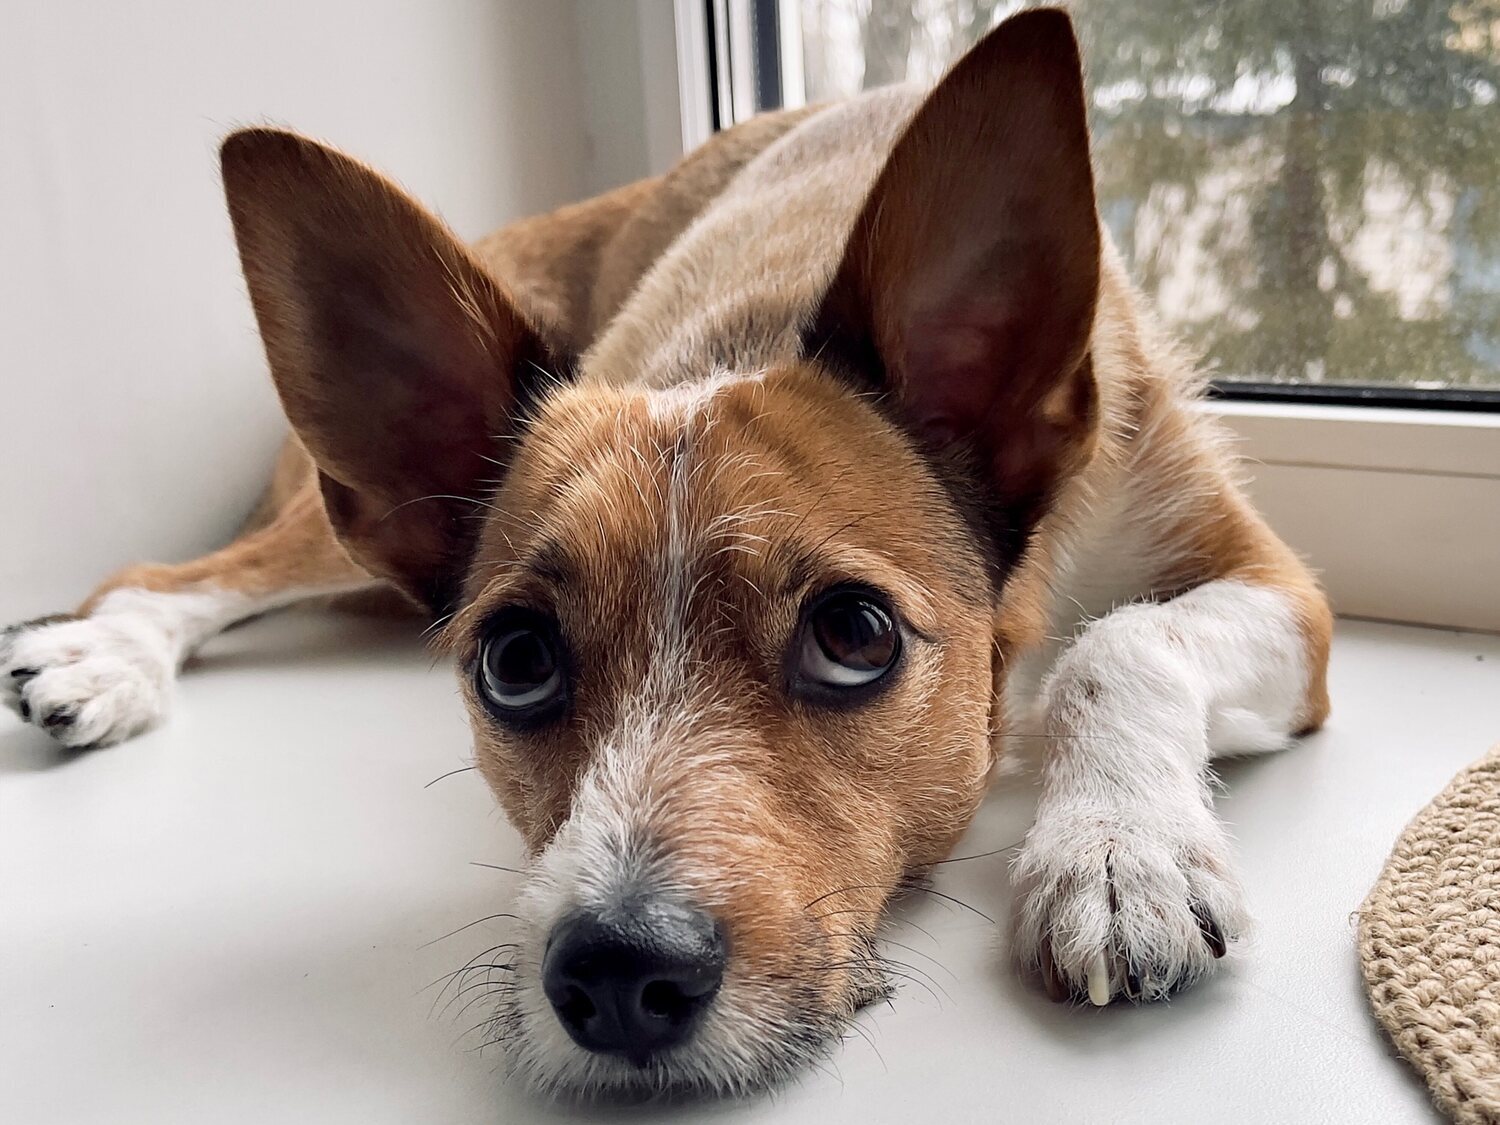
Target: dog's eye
520 667
850 639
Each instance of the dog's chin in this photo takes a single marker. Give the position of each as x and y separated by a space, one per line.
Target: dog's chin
746 1044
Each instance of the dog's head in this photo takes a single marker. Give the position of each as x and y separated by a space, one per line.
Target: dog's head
729 648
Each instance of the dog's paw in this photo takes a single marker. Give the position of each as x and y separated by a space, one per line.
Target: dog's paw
86 681
1114 903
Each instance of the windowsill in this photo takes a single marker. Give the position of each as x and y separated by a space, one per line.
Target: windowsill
1448 442
236 917
1399 510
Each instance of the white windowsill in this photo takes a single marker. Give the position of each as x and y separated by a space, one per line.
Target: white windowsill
1399 510
237 917
1450 442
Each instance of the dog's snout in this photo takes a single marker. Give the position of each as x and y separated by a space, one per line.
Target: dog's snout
633 981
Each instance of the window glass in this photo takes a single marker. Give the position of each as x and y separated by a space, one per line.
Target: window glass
1309 189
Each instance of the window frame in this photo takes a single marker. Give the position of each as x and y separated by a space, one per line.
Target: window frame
1393 493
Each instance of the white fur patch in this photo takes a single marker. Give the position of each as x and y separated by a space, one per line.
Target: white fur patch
607 852
1126 872
682 402
98 680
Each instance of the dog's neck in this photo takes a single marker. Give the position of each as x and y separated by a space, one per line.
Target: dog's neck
734 291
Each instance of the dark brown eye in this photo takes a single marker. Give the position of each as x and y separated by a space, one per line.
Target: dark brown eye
850 639
520 668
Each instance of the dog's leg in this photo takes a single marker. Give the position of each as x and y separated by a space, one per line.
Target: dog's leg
107 672
1124 881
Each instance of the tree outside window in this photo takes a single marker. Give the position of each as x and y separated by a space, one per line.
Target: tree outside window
1309 189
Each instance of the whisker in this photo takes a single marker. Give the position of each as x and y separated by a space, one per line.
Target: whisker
869 1039
447 979
461 929
884 965
958 902
438 496
492 1042
437 624
899 945
450 773
978 855
884 918
491 988
489 1022
845 890
923 930
460 975
471 967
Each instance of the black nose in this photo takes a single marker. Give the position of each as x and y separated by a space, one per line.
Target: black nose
633 980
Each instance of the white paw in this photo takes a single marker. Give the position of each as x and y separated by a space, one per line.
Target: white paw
1120 903
89 681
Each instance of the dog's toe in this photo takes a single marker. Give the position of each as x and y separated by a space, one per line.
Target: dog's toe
58 718
1119 910
84 682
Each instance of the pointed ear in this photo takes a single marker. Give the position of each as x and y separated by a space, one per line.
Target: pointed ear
393 351
968 286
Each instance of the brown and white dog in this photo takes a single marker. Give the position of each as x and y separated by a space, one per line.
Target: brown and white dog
760 504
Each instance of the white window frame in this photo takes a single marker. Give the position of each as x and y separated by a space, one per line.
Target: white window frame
1398 510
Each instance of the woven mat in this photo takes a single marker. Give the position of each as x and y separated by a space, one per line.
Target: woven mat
1429 944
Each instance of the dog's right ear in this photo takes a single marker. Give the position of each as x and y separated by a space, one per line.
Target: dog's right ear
967 290
395 354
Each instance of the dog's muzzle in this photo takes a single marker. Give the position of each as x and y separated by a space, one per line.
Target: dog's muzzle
634 979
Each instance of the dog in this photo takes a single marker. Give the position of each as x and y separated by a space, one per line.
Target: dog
762 506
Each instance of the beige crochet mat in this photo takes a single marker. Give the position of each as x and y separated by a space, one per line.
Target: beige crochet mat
1429 944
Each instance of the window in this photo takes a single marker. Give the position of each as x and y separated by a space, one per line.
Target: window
1309 189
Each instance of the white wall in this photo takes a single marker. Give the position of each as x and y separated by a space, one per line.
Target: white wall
136 417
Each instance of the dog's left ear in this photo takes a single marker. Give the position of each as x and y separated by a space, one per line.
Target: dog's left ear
399 360
968 286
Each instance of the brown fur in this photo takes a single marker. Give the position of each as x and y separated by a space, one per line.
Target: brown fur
796 796
572 268
797 478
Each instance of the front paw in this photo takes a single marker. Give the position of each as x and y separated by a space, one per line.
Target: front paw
85 681
1120 903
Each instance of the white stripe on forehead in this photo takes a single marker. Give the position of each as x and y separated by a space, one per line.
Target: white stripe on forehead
683 406
614 804
683 402
665 728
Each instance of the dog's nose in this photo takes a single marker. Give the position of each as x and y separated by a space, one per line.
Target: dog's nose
634 980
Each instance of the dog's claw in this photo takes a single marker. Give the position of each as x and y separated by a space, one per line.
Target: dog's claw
62 717
1209 928
1057 988
1132 986
83 682
1098 977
